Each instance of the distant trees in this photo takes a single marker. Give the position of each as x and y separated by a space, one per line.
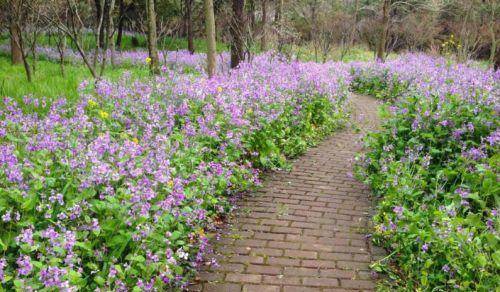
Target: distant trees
96 28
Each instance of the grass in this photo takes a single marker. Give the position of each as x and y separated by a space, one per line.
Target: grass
358 53
48 81
129 42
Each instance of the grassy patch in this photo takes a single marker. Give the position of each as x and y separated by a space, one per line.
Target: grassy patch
129 42
48 81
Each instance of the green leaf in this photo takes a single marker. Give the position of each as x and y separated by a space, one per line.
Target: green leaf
30 203
496 258
99 280
481 259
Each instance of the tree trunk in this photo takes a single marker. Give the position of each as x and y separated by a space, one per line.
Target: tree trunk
24 56
110 31
61 47
33 49
108 40
278 11
152 42
210 23
73 33
98 44
493 48
263 41
496 62
189 25
252 14
121 22
383 31
15 48
314 31
237 27
356 20
100 6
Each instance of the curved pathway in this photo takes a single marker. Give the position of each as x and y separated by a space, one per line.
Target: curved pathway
305 229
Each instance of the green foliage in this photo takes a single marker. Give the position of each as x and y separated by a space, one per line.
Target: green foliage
298 128
109 231
48 80
435 169
381 86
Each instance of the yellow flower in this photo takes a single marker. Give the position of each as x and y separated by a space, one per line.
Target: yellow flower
92 103
103 114
250 111
201 232
170 183
135 140
219 89
148 60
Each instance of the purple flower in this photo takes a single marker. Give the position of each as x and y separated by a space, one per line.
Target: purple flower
445 268
26 237
457 134
24 265
52 277
494 138
444 123
398 210
425 247
3 264
474 154
6 217
463 193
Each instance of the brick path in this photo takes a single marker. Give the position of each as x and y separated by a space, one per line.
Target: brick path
305 229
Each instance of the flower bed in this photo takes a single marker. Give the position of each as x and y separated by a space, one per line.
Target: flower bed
435 166
117 191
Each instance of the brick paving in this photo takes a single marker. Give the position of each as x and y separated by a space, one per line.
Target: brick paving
305 229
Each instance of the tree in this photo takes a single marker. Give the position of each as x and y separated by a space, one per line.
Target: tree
278 10
263 40
152 42
71 23
237 28
122 10
210 26
492 7
15 48
108 39
384 29
17 11
189 25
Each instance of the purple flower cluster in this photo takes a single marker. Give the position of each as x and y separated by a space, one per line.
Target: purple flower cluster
120 187
430 75
435 164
